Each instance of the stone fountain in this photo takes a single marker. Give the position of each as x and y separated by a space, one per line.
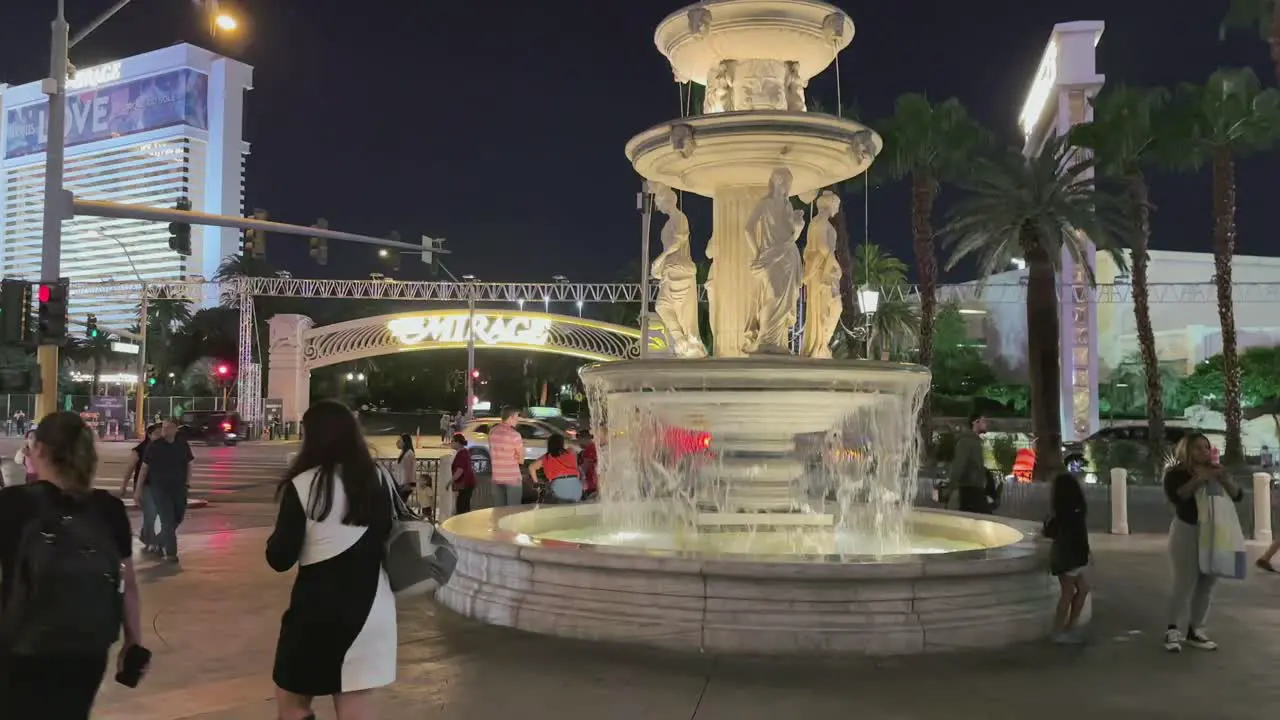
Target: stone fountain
754 501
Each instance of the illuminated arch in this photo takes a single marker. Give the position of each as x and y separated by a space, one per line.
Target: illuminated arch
495 330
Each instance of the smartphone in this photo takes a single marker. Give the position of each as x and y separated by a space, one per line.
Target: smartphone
136 661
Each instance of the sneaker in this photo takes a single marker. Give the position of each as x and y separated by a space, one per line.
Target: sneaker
1199 640
1172 640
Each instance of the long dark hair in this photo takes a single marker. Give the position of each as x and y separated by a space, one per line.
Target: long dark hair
406 445
555 445
66 443
333 446
1067 496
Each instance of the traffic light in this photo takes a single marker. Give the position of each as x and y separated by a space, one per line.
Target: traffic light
475 374
222 371
15 312
319 245
255 241
431 248
91 327
52 315
151 382
180 233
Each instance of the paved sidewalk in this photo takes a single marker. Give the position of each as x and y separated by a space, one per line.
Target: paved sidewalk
213 627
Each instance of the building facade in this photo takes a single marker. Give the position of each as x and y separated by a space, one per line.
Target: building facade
149 130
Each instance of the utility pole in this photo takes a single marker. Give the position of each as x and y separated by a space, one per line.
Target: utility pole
55 204
139 416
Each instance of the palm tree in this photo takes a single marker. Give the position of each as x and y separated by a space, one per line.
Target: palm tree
1260 15
165 317
1123 136
93 350
235 266
930 144
1228 117
1037 208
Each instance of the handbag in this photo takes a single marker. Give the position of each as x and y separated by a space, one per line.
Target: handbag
418 559
1221 541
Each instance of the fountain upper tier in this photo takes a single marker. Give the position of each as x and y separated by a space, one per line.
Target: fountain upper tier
708 153
807 32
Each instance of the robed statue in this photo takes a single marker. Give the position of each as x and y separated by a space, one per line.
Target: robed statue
821 279
772 231
677 305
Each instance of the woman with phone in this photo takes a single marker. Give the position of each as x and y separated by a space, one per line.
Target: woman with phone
338 637
79 600
1195 469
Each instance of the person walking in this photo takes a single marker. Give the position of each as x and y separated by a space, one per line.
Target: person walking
1194 469
147 533
406 466
338 636
166 472
588 461
462 475
506 458
968 471
1069 556
26 459
63 601
446 427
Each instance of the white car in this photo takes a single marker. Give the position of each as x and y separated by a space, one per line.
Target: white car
534 432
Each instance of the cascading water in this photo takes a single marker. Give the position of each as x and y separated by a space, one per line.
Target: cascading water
759 455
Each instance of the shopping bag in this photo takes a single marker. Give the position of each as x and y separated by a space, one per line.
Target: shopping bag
418 558
1221 540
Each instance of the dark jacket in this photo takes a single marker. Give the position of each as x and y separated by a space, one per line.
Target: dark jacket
968 466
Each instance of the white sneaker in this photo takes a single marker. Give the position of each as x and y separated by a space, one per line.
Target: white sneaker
1199 640
1172 640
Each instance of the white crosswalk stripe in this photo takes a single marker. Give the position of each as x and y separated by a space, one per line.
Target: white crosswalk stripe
224 476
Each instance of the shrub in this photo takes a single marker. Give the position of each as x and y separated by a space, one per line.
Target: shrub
1005 452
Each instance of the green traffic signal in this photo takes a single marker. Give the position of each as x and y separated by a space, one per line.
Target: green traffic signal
151 381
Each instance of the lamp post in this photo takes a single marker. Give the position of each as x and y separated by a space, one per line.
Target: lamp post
57 201
868 302
471 344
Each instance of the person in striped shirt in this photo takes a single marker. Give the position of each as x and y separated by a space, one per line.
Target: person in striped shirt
506 452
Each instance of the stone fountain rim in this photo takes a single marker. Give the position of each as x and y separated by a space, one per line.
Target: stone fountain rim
798 370
801 125
483 531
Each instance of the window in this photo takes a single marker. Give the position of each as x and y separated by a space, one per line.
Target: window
532 432
480 429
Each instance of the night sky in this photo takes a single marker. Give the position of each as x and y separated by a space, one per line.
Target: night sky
501 126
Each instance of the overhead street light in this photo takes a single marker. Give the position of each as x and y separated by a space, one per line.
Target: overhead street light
225 22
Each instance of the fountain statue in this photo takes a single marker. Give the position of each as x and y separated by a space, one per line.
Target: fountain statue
677 305
821 279
773 228
754 501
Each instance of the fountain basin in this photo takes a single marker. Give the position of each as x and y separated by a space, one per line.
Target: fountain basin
512 572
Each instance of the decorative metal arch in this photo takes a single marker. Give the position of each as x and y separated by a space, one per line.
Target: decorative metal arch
539 332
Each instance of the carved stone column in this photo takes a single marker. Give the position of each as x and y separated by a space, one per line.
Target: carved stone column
289 379
731 290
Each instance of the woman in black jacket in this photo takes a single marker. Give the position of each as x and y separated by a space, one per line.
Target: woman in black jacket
1069 556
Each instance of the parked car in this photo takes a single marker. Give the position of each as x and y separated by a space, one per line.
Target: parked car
213 427
1076 454
534 432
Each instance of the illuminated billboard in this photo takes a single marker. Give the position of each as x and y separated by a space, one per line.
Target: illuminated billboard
177 97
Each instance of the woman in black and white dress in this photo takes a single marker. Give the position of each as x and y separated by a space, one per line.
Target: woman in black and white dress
338 636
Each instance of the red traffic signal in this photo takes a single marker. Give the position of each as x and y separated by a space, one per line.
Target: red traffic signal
223 370
46 291
475 374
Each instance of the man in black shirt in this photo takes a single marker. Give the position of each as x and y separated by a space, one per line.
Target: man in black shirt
147 532
166 473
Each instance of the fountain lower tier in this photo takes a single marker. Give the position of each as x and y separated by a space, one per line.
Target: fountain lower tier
792 587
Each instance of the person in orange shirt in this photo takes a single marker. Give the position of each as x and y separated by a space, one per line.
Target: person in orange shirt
1024 463
560 467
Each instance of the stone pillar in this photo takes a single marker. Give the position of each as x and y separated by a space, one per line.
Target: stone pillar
289 378
730 287
1262 506
1119 501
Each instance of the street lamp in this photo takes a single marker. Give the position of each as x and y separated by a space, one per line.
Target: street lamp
868 302
225 22
579 308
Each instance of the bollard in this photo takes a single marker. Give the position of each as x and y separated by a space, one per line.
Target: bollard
1262 506
1119 501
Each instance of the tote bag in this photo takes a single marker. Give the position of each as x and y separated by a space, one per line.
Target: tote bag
1221 539
418 559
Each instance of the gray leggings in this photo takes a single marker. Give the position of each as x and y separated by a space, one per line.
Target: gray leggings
1192 589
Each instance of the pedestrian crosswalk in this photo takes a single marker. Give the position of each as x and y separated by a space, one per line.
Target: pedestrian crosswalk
211 477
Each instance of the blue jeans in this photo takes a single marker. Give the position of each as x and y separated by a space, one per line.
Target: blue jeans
171 506
147 534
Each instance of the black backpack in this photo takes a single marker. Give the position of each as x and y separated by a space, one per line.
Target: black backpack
67 594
